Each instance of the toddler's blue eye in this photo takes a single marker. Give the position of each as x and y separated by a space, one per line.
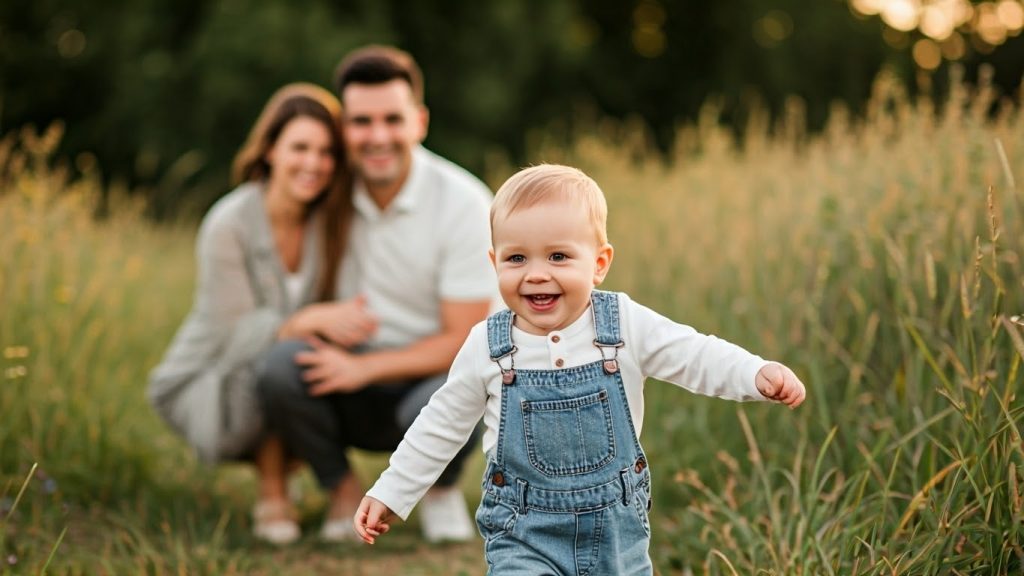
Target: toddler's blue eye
517 258
558 257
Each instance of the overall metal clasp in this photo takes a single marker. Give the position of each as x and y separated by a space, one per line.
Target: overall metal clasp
610 363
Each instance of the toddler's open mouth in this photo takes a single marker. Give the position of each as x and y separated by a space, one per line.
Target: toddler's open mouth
542 300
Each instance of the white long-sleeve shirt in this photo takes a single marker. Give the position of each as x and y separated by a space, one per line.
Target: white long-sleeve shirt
655 347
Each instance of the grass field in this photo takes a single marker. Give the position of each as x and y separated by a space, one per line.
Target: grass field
881 259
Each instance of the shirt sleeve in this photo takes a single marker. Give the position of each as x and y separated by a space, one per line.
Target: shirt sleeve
227 323
225 330
225 294
700 363
438 433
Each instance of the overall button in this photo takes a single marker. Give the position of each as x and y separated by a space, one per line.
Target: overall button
640 465
498 479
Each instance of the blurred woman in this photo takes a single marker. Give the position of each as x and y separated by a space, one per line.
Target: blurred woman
267 254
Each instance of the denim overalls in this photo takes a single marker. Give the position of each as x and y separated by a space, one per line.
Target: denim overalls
567 488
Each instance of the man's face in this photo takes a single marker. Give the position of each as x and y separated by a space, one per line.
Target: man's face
383 122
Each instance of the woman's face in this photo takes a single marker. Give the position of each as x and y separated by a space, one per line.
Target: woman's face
301 160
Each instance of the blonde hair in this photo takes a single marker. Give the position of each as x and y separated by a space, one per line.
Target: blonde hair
536 184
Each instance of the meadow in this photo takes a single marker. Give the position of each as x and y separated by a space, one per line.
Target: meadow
880 258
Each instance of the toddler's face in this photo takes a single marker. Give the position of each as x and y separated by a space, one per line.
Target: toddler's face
548 261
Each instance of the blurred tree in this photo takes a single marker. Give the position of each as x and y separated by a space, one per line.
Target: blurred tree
163 92
217 82
667 57
491 68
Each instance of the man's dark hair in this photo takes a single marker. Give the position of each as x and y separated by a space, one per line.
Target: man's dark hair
376 64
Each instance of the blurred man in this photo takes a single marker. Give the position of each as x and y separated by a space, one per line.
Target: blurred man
417 277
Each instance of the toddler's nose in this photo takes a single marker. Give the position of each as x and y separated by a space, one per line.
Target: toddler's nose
537 274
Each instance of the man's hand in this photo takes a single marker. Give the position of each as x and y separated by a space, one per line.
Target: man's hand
779 383
371 519
331 369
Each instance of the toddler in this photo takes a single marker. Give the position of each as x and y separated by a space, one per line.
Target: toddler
558 379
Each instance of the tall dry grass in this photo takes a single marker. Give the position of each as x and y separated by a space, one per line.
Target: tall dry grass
87 305
880 259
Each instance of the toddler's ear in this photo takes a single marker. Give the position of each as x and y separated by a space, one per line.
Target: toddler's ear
490 254
605 254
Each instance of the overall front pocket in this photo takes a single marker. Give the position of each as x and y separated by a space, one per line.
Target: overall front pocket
569 436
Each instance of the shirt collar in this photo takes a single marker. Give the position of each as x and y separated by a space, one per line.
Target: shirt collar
408 196
585 323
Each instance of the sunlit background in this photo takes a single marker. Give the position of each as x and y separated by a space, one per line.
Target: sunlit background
940 30
156 95
831 184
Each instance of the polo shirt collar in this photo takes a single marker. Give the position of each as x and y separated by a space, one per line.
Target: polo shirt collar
408 196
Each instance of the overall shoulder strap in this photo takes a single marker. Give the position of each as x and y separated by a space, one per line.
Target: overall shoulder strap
499 334
499 342
605 307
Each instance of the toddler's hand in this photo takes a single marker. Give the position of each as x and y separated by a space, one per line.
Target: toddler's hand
371 519
779 383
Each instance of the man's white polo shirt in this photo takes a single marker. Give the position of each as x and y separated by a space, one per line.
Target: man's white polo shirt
429 245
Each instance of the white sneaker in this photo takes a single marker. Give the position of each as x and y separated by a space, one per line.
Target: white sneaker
444 517
274 522
339 530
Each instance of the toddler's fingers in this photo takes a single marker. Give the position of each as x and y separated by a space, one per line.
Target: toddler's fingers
368 534
378 530
797 397
799 390
800 397
361 520
763 384
770 380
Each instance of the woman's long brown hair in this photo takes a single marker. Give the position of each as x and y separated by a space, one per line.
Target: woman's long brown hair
250 164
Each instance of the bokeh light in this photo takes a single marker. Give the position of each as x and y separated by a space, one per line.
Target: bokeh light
1011 14
772 28
927 54
954 47
990 28
902 15
71 43
946 26
648 29
868 7
964 12
938 20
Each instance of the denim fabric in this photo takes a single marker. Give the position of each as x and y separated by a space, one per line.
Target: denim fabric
567 487
320 429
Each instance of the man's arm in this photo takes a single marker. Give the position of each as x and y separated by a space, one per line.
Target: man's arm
433 354
330 369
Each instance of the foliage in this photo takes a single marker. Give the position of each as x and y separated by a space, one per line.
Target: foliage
162 93
881 259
